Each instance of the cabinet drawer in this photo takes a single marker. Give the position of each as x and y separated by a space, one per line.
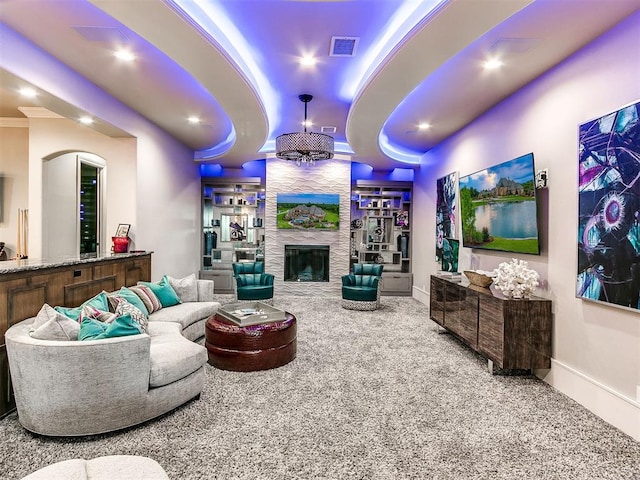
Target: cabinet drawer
491 328
397 283
223 281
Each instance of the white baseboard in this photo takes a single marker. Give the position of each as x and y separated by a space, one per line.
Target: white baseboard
620 411
421 295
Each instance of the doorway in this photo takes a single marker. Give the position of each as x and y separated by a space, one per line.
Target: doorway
73 193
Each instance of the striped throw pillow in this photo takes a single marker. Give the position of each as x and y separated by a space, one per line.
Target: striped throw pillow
147 296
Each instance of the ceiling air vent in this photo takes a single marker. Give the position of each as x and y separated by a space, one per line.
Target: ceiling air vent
343 46
102 34
328 129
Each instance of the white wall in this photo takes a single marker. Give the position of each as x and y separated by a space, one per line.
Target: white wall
157 189
596 348
49 137
14 151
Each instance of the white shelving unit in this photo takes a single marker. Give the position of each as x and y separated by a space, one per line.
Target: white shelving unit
380 231
232 227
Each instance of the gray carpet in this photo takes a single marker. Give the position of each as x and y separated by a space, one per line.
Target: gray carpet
371 395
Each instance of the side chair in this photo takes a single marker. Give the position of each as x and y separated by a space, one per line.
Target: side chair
252 284
361 289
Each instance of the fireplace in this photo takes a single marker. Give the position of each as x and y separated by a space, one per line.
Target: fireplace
306 263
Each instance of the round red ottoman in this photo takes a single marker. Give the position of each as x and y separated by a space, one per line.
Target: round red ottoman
255 347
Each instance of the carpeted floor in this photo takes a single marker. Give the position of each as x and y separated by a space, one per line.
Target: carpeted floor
371 395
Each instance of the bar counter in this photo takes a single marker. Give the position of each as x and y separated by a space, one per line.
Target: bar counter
26 264
27 284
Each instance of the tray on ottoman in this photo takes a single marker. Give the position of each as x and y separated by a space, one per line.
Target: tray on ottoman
251 313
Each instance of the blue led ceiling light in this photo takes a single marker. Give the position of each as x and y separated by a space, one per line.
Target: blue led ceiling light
397 153
409 14
214 21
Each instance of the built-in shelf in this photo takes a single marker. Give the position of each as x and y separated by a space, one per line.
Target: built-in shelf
232 227
380 231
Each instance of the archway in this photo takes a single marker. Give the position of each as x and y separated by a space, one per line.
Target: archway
73 198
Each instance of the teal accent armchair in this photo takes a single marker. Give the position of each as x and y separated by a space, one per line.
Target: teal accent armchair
361 289
252 284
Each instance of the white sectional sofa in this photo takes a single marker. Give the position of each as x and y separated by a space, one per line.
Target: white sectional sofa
70 388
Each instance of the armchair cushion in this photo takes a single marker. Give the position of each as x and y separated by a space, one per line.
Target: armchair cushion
362 285
255 292
251 281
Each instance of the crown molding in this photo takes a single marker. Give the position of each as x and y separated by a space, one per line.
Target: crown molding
38 112
14 122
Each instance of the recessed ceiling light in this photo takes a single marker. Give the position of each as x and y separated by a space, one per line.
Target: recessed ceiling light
308 61
85 120
493 63
28 92
124 55
193 119
424 126
308 123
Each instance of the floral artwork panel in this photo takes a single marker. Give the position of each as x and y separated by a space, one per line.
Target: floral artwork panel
609 209
446 218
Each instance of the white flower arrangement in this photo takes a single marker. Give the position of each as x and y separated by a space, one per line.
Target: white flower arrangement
515 279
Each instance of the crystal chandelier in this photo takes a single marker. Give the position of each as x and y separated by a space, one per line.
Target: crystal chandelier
304 147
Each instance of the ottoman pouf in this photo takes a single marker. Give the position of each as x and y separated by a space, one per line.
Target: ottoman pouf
250 348
112 467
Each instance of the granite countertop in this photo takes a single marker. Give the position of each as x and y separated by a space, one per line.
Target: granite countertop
12 266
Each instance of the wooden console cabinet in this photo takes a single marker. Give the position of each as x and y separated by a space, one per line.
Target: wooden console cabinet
513 334
26 285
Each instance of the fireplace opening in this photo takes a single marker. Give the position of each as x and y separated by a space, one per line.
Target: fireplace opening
306 263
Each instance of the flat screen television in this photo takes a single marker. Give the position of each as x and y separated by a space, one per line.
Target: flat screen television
308 211
498 207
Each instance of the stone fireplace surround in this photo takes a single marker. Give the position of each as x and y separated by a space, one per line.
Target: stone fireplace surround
330 176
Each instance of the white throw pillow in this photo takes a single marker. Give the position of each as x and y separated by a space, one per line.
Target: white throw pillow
52 325
186 288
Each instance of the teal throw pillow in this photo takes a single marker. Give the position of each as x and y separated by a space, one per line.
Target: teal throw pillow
164 291
91 329
131 297
99 301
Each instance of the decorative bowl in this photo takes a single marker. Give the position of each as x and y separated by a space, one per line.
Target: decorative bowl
478 279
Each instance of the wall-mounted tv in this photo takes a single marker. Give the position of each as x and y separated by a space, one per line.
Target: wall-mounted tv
308 211
498 207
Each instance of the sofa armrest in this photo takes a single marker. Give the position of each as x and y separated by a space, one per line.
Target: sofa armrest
65 386
205 290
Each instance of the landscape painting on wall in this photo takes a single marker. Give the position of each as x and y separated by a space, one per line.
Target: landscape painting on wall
308 211
609 209
498 207
446 226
